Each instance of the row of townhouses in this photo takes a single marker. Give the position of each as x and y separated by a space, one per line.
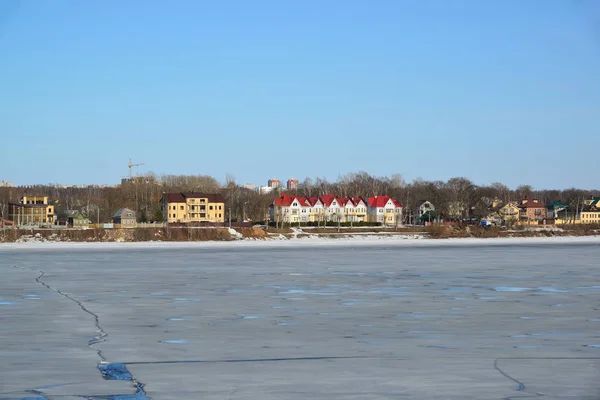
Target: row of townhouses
329 208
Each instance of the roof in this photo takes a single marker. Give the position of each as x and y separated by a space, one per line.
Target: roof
283 201
357 200
313 200
181 197
532 203
70 213
327 199
381 201
122 211
557 204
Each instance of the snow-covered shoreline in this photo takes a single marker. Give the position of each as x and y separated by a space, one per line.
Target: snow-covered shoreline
374 240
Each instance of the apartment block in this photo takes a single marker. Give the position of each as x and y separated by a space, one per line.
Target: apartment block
193 207
31 210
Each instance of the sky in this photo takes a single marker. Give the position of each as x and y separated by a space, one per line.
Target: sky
503 91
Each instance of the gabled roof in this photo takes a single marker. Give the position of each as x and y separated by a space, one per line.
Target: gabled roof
327 199
70 213
357 200
283 201
303 201
122 211
531 203
344 200
314 200
286 201
381 201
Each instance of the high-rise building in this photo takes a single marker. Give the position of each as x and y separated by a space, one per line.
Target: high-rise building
274 183
292 184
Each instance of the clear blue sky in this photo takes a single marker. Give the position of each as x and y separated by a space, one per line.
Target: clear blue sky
492 90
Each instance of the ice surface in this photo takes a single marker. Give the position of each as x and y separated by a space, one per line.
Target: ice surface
385 318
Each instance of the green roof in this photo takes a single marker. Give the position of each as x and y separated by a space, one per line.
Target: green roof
557 204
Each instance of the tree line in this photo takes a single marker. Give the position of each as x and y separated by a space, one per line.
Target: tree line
143 195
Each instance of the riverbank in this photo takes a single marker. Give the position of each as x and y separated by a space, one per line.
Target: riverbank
257 234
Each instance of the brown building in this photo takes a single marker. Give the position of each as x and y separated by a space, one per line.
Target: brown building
532 210
193 207
273 183
31 210
292 184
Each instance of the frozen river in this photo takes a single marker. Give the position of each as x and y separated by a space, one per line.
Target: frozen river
301 322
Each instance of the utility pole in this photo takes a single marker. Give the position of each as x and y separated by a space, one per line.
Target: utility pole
230 217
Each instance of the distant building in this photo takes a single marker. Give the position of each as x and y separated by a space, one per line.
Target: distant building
250 186
265 189
292 184
532 210
125 217
6 184
31 210
73 218
330 208
193 207
385 210
274 183
591 212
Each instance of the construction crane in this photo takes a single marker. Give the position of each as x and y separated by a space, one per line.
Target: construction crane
131 165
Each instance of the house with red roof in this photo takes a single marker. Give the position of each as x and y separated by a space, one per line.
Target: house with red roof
360 209
290 209
532 210
385 210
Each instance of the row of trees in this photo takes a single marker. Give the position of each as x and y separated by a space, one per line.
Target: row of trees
144 193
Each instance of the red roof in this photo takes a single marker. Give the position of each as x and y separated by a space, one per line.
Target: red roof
381 201
327 199
286 201
357 200
532 203
313 200
344 200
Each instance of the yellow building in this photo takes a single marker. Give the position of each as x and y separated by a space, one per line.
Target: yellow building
590 217
591 213
31 210
193 207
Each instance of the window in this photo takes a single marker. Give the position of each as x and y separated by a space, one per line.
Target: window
220 215
181 207
220 207
202 215
210 207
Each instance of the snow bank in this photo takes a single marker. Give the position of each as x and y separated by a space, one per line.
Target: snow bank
353 241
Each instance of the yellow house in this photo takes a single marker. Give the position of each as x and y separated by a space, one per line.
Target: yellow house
193 207
591 213
509 212
590 217
31 210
